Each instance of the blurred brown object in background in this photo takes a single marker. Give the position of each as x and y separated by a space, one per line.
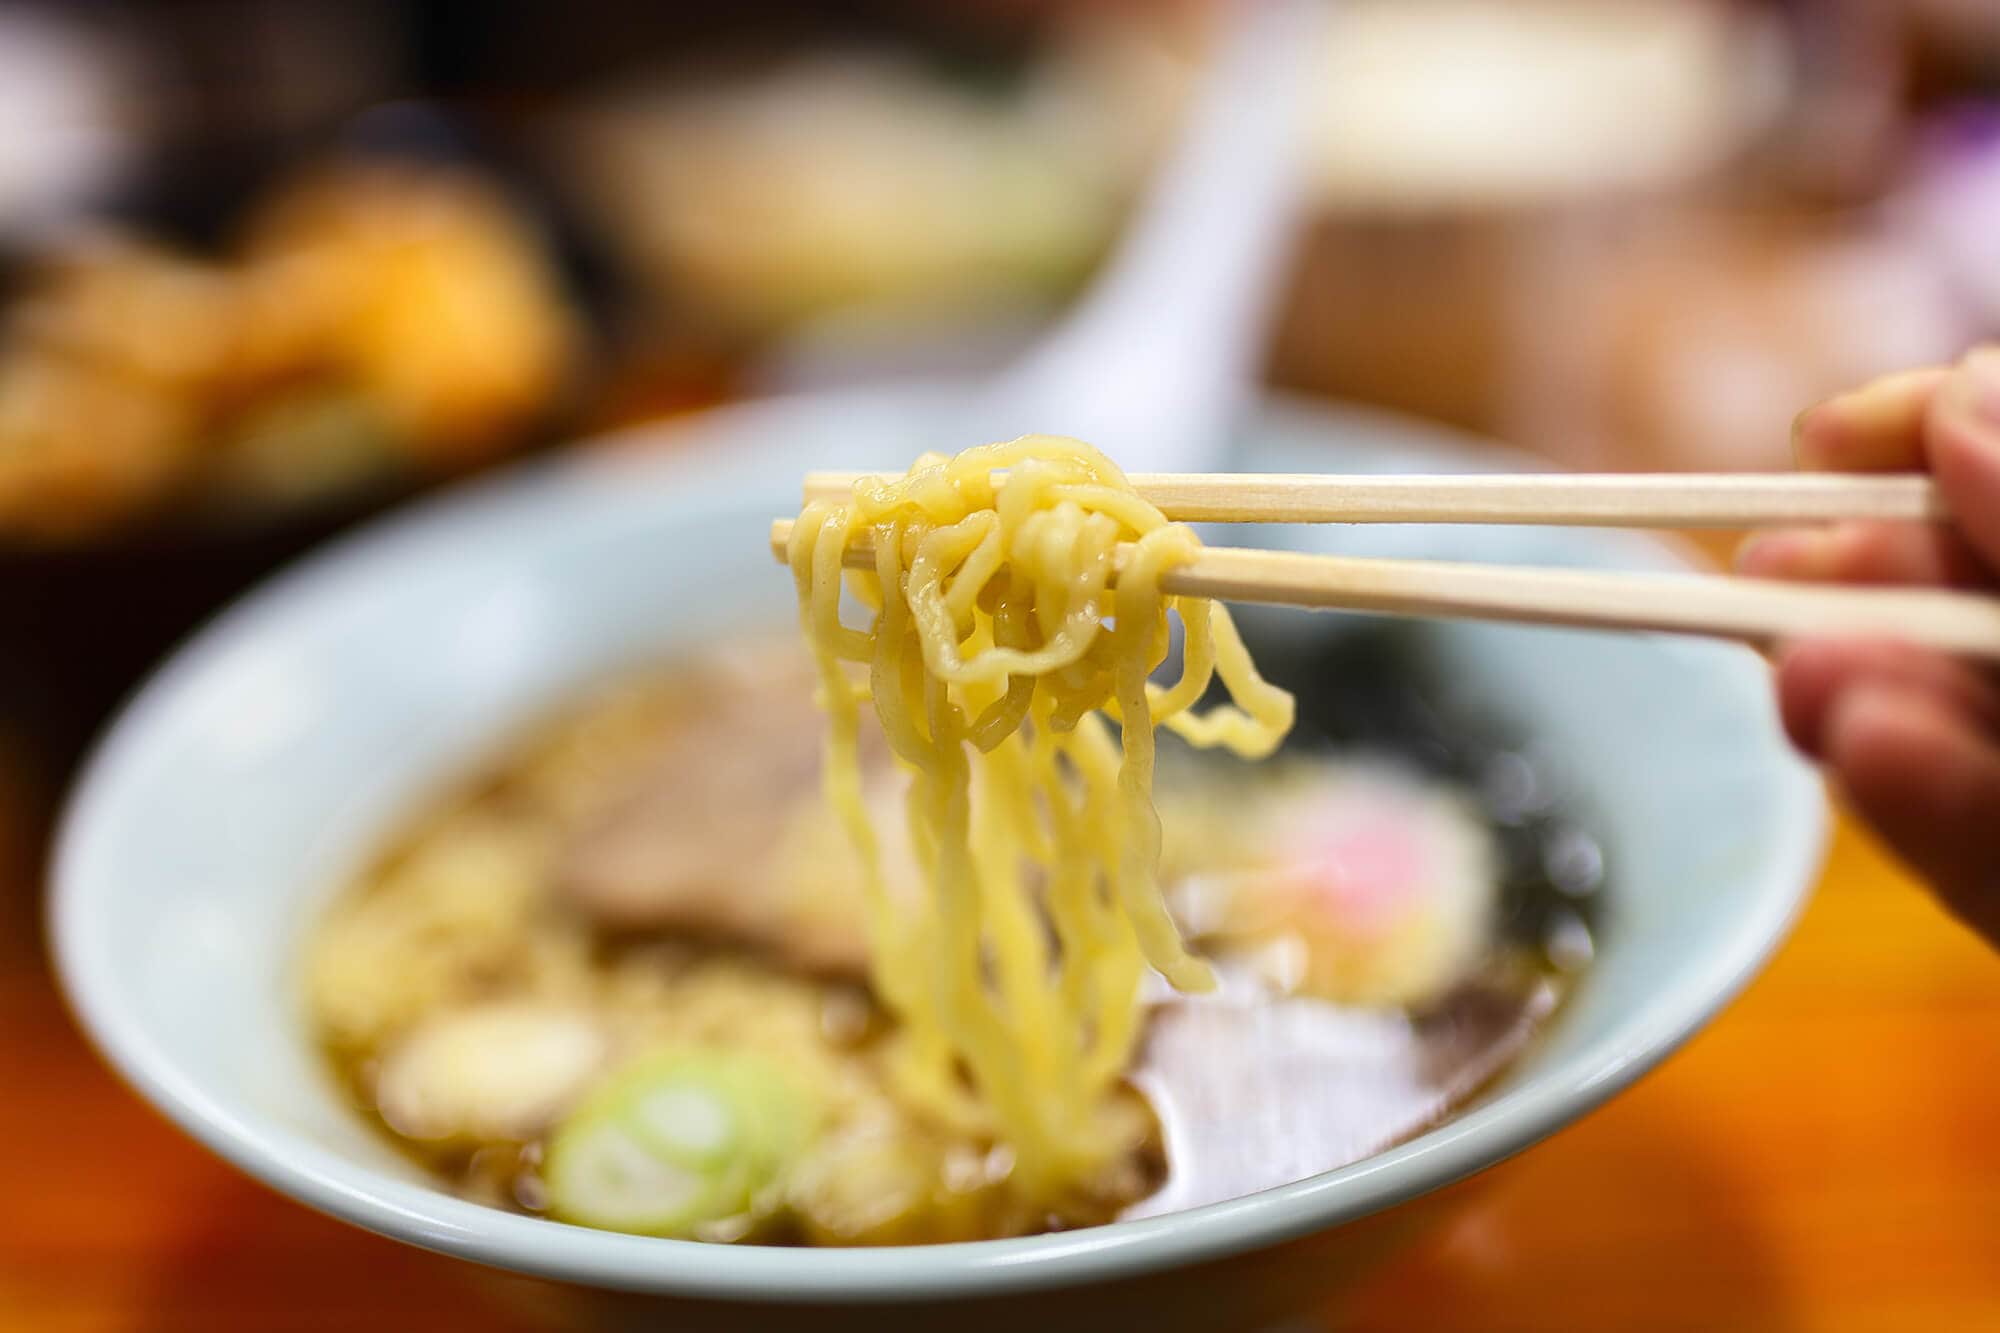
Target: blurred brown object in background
172 427
1690 337
381 320
1690 341
1461 146
423 288
103 364
1956 43
1402 312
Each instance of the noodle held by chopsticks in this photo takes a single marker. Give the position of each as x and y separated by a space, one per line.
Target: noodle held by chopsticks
997 649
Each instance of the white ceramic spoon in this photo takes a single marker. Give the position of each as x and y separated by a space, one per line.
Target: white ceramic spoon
1156 360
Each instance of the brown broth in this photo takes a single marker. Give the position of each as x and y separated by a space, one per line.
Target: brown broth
1248 1088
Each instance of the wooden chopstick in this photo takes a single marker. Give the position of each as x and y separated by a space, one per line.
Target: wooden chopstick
1755 611
1658 500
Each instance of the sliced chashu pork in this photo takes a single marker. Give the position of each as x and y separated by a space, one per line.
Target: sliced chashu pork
723 830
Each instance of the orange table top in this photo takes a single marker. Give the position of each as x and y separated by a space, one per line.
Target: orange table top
1826 1156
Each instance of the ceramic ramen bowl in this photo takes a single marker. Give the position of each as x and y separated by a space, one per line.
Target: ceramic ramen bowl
264 761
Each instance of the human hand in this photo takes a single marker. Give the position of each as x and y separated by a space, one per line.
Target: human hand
1912 736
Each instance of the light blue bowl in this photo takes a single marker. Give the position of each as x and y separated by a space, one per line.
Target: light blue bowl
263 762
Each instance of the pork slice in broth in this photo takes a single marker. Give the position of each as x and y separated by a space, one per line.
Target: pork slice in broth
720 829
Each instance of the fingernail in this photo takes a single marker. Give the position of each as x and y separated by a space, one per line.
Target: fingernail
1799 429
1809 429
1807 452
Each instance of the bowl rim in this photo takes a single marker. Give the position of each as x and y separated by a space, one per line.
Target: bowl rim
1776 888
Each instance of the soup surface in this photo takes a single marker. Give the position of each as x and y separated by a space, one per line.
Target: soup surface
620 976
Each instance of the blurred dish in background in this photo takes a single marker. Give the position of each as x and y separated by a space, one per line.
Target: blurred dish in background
1636 235
795 186
1447 105
1469 152
1689 340
378 323
420 291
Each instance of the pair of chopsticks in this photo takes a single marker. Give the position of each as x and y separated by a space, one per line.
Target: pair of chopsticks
1755 611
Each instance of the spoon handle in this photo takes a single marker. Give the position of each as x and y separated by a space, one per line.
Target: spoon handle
1160 354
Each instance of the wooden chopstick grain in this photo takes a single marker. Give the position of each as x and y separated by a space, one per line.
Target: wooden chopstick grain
1756 611
1658 500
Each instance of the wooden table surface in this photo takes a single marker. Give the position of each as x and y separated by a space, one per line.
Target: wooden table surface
1826 1156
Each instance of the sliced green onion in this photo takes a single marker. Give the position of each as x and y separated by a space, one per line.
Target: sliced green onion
678 1139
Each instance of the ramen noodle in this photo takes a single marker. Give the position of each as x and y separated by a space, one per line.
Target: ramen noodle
1013 625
